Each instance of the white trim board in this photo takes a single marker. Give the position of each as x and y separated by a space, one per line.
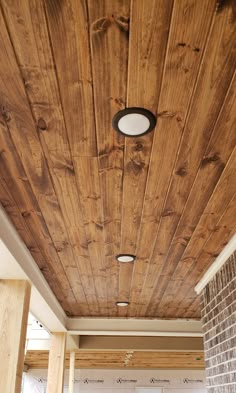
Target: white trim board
217 265
134 327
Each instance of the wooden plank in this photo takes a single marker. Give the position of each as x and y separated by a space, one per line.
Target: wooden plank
72 372
215 75
86 169
68 23
149 28
78 198
68 27
23 132
14 309
30 219
56 363
204 188
193 310
109 50
40 80
215 209
189 29
213 218
218 239
51 269
119 359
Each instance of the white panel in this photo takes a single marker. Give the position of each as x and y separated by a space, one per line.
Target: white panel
126 381
148 390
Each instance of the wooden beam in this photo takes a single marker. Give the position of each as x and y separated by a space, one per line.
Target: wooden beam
56 363
14 308
72 372
118 359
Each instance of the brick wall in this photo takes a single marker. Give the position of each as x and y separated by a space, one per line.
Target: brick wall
219 328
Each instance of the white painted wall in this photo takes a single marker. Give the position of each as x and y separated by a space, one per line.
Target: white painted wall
122 381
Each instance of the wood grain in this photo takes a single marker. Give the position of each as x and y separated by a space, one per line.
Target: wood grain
70 21
72 372
119 359
19 201
51 268
79 193
224 230
14 308
184 53
55 383
147 47
209 173
109 52
68 27
202 116
37 71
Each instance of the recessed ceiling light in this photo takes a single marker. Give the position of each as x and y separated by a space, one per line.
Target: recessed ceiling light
122 304
124 258
134 121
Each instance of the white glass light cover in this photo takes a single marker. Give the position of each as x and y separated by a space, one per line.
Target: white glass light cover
125 258
122 304
134 124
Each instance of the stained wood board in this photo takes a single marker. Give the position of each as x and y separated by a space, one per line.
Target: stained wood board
118 359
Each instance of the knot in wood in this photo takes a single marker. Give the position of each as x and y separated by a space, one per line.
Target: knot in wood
41 125
25 213
5 114
181 172
139 146
101 25
209 159
123 22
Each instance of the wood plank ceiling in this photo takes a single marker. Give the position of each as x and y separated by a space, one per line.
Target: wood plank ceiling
123 359
79 193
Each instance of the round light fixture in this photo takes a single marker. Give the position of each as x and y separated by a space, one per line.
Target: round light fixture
134 121
122 304
125 258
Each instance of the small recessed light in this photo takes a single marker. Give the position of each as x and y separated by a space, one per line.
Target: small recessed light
124 258
122 304
134 121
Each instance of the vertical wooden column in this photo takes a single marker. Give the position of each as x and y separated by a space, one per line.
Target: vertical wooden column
72 372
56 363
14 309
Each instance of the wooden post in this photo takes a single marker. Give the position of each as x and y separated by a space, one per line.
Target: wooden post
14 309
72 372
56 363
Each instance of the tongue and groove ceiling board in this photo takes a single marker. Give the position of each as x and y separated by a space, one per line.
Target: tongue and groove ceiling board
77 192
